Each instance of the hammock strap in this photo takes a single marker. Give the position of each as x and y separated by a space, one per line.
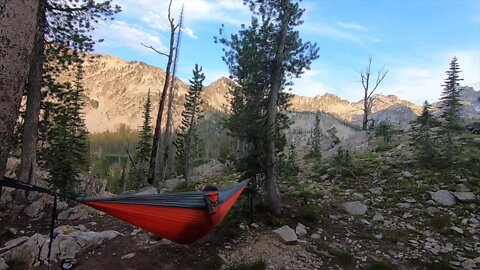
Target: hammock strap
10 182
52 227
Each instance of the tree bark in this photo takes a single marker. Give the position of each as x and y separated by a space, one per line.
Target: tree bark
168 143
365 111
273 194
18 25
28 165
368 91
157 153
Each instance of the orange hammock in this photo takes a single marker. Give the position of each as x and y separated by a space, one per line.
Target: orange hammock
180 217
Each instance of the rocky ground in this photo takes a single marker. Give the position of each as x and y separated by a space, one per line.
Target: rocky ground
387 214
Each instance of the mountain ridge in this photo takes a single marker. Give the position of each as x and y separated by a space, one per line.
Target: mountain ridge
116 91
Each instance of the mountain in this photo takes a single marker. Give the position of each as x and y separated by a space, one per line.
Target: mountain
116 92
470 98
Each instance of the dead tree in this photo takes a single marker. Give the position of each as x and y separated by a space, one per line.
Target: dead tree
18 27
369 89
157 153
168 142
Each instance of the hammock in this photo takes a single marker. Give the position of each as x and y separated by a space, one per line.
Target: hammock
182 217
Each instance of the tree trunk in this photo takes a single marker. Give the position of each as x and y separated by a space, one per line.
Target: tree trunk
167 165
168 143
28 165
365 112
18 25
188 160
157 153
270 160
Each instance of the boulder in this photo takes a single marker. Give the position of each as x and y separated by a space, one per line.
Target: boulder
378 217
443 197
3 264
457 229
67 247
6 195
89 185
62 205
147 190
172 184
469 264
432 210
287 235
355 208
208 169
407 174
376 191
463 188
358 196
78 212
14 242
301 230
128 256
35 208
465 197
27 252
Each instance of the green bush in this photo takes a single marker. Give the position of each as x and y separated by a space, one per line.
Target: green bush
385 130
343 163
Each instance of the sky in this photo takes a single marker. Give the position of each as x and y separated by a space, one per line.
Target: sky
414 40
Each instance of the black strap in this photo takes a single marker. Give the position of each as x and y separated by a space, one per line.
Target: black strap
10 182
52 227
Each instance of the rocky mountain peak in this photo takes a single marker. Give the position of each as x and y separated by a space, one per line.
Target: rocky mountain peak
117 90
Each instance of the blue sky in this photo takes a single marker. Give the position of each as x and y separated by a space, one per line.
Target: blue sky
414 39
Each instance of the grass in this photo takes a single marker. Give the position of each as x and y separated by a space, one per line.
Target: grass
395 235
311 213
256 265
440 223
214 263
345 258
321 245
380 265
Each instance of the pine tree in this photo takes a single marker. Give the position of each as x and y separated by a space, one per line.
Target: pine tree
187 137
62 31
262 59
62 132
316 139
66 152
451 105
423 135
144 144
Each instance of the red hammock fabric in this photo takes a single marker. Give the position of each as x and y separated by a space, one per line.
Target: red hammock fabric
182 225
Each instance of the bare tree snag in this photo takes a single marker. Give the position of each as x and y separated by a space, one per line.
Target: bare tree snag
168 142
369 88
156 156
